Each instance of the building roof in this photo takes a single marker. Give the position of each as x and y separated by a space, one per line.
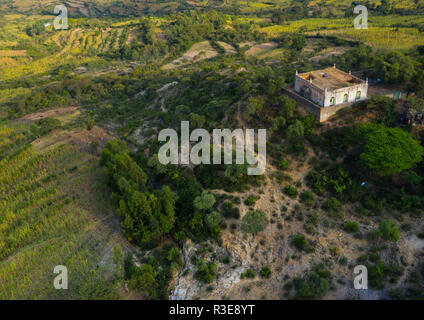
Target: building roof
331 78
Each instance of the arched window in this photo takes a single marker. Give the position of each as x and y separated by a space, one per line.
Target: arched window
358 95
345 97
332 101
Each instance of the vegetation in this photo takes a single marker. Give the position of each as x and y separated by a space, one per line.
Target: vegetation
254 221
81 183
390 150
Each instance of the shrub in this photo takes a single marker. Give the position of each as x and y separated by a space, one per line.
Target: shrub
331 204
205 271
283 164
351 226
254 221
299 241
314 286
249 273
250 201
388 230
290 191
266 272
307 197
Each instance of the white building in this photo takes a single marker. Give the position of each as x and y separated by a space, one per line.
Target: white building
330 87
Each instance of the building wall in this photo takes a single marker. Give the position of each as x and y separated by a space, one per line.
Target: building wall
321 114
350 91
316 94
323 98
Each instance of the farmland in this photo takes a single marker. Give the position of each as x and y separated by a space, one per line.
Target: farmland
54 212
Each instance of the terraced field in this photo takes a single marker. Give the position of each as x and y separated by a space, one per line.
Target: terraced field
53 211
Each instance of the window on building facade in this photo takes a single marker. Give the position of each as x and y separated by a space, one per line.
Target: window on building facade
332 101
358 95
345 98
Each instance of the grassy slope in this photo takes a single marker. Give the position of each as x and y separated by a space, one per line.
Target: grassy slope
53 211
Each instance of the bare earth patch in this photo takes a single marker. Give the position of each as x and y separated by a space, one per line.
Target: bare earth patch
261 48
56 112
325 54
229 49
199 51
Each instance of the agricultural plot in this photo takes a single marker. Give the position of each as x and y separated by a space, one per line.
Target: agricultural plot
261 49
53 211
382 38
199 51
382 33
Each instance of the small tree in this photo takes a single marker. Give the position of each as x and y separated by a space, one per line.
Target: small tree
295 131
254 106
388 230
205 201
288 106
254 222
299 241
266 272
144 281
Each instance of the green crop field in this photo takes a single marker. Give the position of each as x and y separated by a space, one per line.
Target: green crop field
54 211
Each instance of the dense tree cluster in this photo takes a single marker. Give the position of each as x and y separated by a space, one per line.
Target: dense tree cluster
146 216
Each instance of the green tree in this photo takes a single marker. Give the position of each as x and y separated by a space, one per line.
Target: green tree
395 67
254 221
313 286
143 280
205 201
196 121
287 106
212 222
277 123
254 106
390 150
164 210
388 230
295 131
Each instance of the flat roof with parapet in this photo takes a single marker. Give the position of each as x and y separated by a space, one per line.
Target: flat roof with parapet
331 78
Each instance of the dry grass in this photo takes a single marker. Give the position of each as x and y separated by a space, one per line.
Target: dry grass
199 51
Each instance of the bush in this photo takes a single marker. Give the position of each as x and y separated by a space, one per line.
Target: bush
388 230
351 226
249 273
299 241
307 197
250 201
312 286
254 222
331 204
266 272
143 280
283 164
47 124
290 191
205 271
